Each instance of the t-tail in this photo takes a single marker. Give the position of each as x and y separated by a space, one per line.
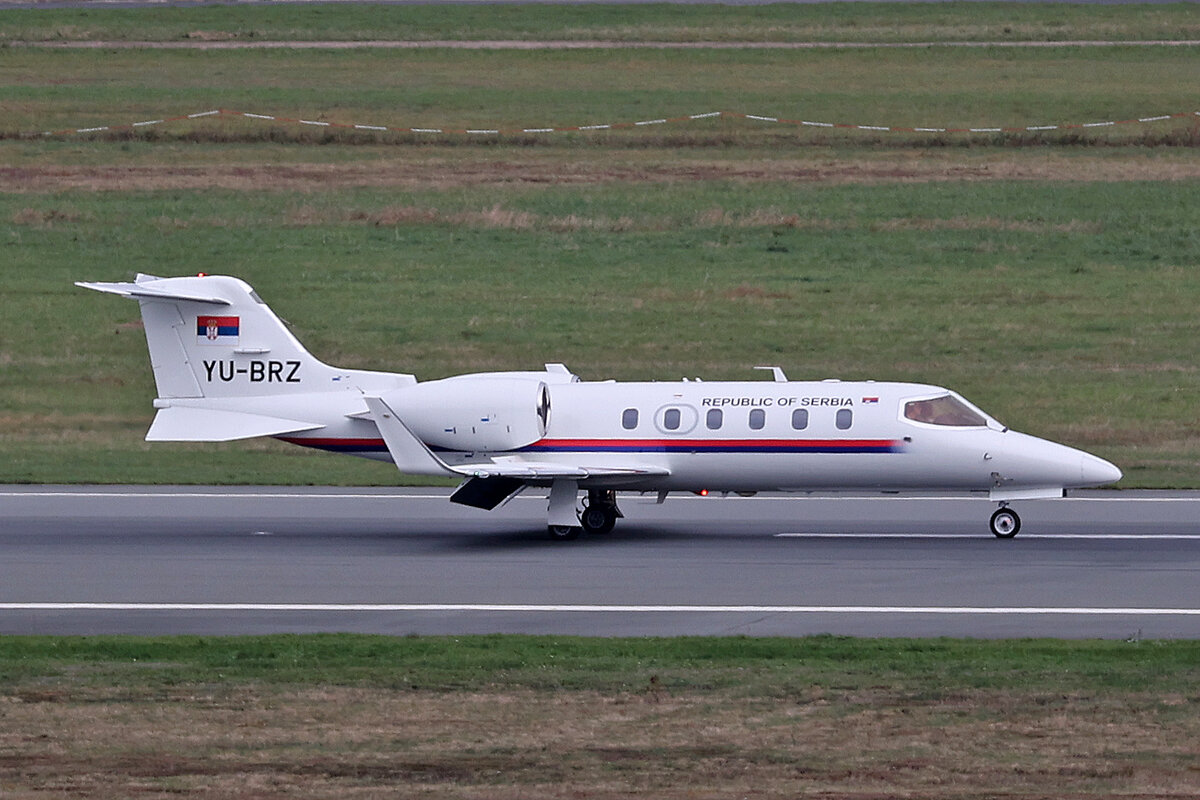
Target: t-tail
226 367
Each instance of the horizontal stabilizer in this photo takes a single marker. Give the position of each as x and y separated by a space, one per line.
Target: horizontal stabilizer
142 291
189 424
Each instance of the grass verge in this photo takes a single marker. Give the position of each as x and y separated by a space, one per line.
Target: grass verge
1067 310
350 716
48 90
782 22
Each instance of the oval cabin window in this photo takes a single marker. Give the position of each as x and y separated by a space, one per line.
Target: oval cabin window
629 419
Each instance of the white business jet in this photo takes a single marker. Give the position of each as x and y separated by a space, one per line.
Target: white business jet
227 368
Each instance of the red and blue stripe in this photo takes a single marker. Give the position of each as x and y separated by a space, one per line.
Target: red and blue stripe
348 445
338 445
714 446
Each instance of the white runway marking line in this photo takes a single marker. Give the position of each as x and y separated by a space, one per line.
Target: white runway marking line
1023 537
620 609
794 498
229 495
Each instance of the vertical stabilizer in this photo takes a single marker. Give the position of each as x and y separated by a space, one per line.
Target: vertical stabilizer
211 337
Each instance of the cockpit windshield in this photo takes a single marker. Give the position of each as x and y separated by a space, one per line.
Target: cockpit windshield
945 410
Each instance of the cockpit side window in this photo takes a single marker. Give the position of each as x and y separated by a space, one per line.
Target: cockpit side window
945 410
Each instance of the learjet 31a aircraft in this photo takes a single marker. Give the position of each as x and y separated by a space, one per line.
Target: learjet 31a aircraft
226 368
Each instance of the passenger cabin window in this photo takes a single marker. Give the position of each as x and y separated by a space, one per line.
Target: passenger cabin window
671 419
758 418
800 419
714 418
845 418
946 410
629 419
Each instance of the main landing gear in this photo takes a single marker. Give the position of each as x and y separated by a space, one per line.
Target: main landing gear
599 515
1005 523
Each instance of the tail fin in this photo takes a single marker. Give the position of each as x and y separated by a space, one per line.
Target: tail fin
227 368
212 336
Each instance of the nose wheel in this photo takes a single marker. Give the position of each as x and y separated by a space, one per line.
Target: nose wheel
1005 523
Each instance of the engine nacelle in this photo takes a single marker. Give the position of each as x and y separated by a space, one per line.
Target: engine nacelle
487 413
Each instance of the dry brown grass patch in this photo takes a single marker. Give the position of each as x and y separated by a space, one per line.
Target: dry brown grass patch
984 224
39 218
356 742
404 167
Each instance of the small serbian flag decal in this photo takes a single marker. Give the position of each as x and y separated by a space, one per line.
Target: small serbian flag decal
217 330
868 401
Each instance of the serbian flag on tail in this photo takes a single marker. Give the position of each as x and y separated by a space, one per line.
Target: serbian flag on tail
217 330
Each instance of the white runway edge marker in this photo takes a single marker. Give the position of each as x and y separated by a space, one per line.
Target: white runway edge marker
540 128
583 608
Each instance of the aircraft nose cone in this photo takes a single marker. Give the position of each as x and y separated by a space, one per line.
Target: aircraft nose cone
1096 471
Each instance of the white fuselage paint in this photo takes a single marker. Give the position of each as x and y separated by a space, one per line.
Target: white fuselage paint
878 450
227 368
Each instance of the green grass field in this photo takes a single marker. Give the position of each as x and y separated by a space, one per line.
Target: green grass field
1051 278
860 22
946 87
470 717
1065 310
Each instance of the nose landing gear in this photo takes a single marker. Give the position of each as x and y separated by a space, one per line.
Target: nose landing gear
1005 523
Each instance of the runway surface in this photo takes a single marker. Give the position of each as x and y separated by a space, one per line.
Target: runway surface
163 560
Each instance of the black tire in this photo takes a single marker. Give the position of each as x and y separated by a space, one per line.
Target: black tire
598 519
564 533
1005 523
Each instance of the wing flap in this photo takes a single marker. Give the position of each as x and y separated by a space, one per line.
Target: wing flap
486 493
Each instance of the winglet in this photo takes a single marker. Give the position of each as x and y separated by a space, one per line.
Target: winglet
410 453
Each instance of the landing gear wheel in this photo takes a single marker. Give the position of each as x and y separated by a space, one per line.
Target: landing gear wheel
1005 523
564 533
598 518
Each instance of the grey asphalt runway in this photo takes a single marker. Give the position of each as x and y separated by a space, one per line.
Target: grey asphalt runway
152 560
162 560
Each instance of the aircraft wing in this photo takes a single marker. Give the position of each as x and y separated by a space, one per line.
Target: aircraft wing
412 455
493 484
532 470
